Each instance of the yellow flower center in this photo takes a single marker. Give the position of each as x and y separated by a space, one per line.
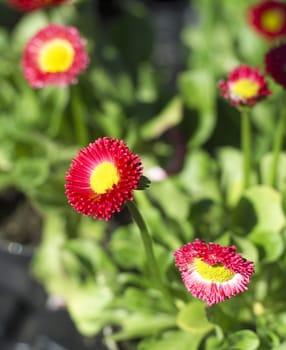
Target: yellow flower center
272 20
214 273
103 177
245 88
56 56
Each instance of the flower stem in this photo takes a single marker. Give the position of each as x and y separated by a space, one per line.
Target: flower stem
150 256
80 127
246 145
277 146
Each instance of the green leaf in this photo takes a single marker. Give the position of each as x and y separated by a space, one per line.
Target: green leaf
199 175
172 340
143 324
86 305
192 318
272 244
77 270
266 167
89 254
198 90
208 217
29 173
146 90
160 229
260 209
92 229
231 161
242 340
54 102
53 239
144 183
280 347
166 193
135 300
6 151
122 244
170 116
212 343
246 247
111 119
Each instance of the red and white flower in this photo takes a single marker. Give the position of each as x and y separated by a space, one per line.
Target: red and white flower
211 272
30 5
55 55
245 86
268 19
102 178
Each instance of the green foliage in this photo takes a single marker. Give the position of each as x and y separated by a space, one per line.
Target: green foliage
99 269
192 318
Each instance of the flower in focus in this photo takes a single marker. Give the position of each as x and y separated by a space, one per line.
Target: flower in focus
30 5
268 18
275 63
102 178
54 56
211 272
244 86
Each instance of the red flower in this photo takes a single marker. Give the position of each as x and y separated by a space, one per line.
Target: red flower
54 56
268 18
275 63
245 86
211 272
102 178
30 5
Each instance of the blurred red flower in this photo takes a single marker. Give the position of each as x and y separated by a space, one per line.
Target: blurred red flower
268 19
245 86
30 5
54 56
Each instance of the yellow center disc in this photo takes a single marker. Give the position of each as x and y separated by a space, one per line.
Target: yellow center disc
56 56
245 88
214 273
272 20
103 177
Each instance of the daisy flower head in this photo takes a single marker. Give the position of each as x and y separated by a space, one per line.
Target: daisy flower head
245 86
55 55
211 272
268 18
275 64
102 178
30 5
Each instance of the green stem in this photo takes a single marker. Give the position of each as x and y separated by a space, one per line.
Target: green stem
277 146
246 145
150 256
80 127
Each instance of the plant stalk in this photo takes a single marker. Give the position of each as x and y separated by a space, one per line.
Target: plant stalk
246 146
150 256
79 123
277 147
